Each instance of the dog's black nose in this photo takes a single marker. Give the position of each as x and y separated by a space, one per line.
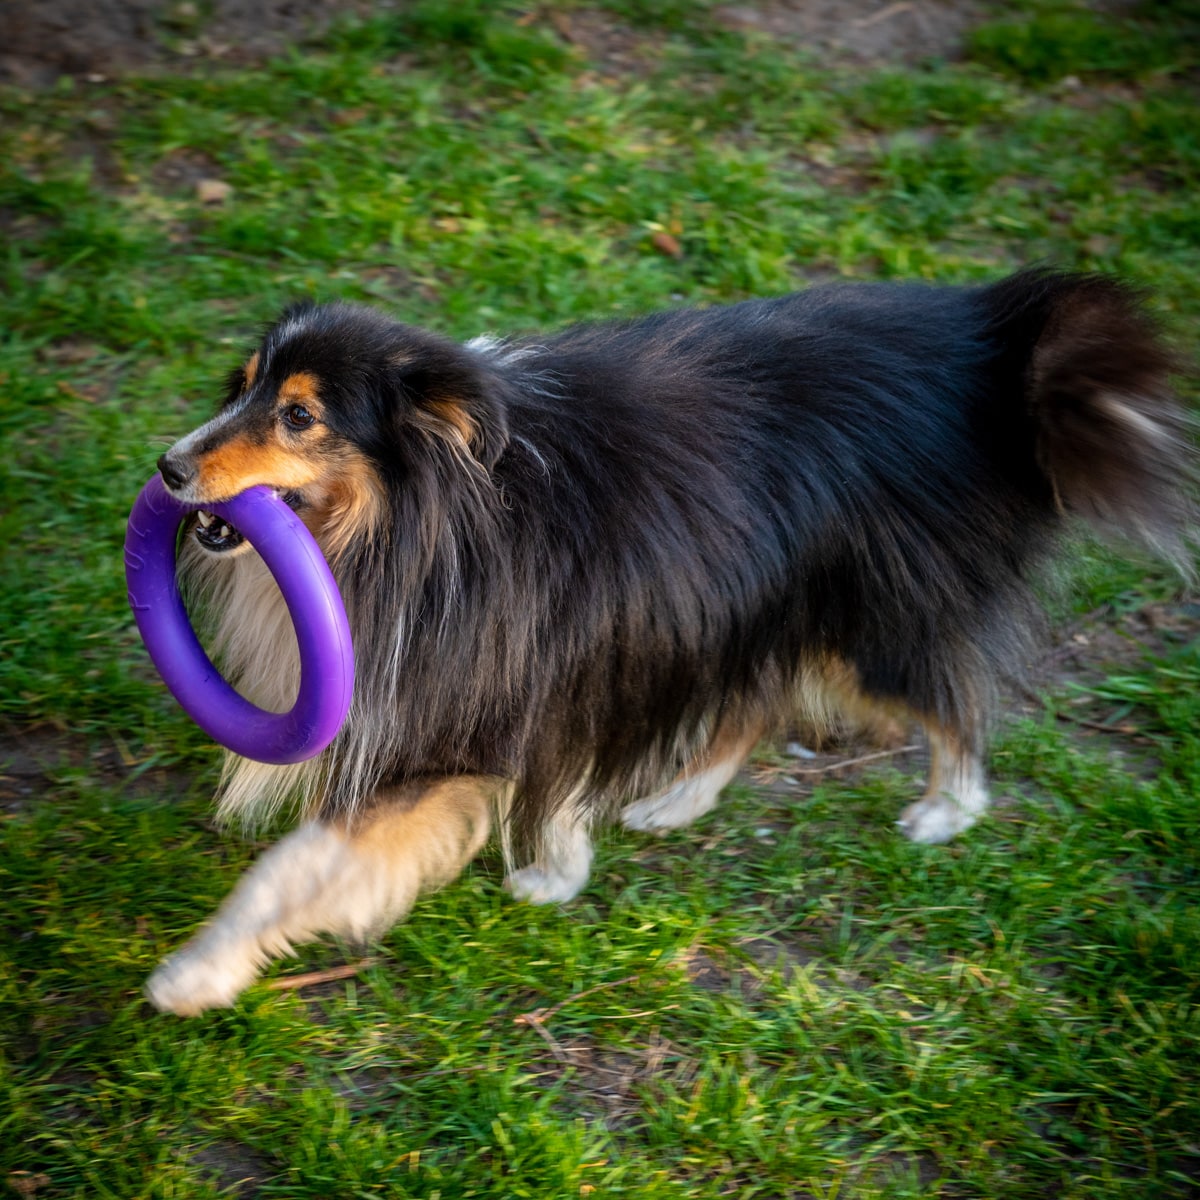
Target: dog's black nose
176 474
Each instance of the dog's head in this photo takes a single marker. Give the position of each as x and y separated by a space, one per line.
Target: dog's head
337 404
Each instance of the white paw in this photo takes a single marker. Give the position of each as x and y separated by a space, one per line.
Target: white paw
192 980
648 816
535 885
934 819
680 805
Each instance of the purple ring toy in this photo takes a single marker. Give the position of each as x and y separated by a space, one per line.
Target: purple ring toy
312 598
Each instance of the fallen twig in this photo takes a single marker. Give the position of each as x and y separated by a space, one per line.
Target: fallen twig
884 14
853 762
538 1015
535 1023
1097 725
1062 715
536 1019
290 983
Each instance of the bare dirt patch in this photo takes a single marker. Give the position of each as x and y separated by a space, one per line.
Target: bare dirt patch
37 762
106 38
907 31
109 37
1097 647
606 1083
234 1168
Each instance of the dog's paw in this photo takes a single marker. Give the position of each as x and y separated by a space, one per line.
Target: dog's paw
934 819
679 805
536 885
651 816
191 981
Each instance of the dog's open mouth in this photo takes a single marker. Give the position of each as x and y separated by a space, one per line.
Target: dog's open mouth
218 536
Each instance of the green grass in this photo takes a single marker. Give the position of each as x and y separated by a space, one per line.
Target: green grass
788 1000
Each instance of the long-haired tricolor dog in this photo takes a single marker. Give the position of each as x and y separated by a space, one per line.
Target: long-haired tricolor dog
585 574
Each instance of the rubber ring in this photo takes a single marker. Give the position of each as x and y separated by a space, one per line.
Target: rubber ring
314 604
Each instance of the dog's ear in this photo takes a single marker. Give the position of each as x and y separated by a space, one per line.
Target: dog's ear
453 398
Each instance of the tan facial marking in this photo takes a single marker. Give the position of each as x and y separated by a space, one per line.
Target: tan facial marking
277 459
302 387
355 504
241 463
250 370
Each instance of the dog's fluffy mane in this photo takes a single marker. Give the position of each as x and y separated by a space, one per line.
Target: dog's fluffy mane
570 559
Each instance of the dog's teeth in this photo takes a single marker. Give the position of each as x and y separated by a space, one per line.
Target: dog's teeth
205 518
226 531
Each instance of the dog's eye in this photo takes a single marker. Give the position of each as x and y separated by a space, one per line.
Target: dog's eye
298 417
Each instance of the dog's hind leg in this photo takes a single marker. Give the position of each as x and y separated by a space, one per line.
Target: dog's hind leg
698 786
563 861
956 795
351 878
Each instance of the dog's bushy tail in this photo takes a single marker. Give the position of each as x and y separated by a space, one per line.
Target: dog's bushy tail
1114 442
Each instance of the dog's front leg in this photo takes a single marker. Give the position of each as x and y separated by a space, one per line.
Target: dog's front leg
352 878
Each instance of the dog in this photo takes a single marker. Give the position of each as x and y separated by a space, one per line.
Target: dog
587 573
